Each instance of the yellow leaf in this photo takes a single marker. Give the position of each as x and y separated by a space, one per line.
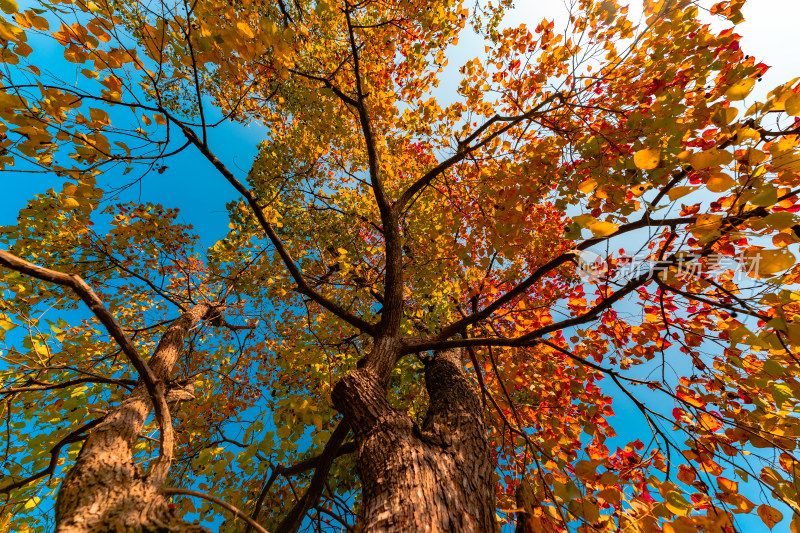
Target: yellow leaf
99 116
9 7
640 189
677 527
710 158
587 186
783 239
793 105
754 156
784 155
769 262
706 224
647 159
601 229
765 197
740 89
680 192
22 49
8 31
748 134
794 527
724 116
583 220
245 29
33 502
769 515
719 182
742 504
780 220
39 23
71 203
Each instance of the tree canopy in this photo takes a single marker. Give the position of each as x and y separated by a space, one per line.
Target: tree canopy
580 263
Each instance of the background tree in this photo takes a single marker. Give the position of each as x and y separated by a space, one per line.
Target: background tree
405 326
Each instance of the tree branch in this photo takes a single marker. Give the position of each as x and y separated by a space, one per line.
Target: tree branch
393 284
75 436
43 386
293 520
85 293
154 388
297 468
539 273
236 512
291 266
438 342
464 149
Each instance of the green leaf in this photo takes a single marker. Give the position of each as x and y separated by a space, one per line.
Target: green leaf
781 393
676 503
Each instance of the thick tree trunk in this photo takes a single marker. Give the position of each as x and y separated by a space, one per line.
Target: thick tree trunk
104 490
435 478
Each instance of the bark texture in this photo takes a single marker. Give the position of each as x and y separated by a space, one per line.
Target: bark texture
435 478
104 491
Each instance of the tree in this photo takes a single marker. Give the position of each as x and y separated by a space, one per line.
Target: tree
437 302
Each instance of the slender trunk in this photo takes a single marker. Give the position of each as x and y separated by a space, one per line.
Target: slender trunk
435 478
104 491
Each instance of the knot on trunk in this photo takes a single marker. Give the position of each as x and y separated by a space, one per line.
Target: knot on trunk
180 392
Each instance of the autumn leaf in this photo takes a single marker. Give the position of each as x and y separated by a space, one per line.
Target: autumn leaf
647 159
769 515
792 105
769 262
740 89
9 7
680 192
70 203
601 229
710 158
245 29
677 504
719 182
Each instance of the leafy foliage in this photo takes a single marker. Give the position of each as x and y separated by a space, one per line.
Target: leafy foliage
556 146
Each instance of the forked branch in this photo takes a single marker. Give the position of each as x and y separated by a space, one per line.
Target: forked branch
154 388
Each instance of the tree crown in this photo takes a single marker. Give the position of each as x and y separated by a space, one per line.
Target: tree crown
504 221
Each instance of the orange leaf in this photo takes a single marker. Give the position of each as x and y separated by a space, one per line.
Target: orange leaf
769 515
647 159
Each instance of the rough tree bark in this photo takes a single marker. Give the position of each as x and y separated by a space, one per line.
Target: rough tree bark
104 491
433 478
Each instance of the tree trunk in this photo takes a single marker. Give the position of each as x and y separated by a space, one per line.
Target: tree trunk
435 478
104 490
